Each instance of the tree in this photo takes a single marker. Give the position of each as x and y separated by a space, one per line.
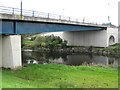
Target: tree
64 44
47 41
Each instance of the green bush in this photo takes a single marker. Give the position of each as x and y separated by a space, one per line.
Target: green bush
46 41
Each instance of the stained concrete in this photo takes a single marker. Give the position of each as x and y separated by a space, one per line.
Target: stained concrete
11 51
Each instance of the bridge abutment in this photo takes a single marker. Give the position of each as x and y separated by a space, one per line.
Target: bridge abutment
86 38
102 38
10 51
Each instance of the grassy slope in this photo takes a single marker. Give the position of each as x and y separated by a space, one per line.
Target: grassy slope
115 47
61 76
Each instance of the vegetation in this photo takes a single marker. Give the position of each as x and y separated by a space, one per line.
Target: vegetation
115 47
52 42
44 41
60 76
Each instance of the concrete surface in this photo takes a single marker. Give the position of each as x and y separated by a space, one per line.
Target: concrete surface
11 51
89 38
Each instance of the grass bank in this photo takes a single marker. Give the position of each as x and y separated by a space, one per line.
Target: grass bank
115 47
60 76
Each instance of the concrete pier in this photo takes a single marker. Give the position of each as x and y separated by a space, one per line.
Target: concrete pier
11 51
102 38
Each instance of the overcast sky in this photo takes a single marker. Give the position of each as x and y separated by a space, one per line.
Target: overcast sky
91 10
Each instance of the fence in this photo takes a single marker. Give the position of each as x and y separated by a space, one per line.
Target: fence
31 13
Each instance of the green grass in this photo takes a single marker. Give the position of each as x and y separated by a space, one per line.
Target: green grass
115 47
60 76
27 42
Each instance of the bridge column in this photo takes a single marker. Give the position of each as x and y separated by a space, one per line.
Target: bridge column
11 51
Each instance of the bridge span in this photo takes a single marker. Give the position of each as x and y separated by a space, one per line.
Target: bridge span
37 22
76 32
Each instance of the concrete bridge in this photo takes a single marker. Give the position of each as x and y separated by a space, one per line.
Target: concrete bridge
76 32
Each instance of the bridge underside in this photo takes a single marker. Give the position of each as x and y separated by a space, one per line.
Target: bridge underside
29 27
10 42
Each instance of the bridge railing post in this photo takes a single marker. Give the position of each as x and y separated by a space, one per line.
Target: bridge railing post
76 20
13 11
69 18
48 16
59 17
33 13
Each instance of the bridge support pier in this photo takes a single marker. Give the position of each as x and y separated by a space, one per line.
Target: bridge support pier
10 51
96 38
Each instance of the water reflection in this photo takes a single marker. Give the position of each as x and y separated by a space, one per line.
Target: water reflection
72 59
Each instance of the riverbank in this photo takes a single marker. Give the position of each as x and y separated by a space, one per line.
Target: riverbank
56 44
112 51
60 76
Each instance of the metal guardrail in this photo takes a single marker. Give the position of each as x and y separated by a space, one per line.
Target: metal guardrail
31 13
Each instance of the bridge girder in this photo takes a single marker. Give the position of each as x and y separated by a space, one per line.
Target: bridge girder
9 26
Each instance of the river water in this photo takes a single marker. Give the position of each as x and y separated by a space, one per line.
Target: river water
30 57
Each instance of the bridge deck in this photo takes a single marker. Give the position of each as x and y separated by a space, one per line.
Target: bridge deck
13 23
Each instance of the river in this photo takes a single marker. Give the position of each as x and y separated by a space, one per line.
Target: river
35 57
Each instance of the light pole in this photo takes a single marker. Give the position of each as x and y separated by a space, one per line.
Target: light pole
21 9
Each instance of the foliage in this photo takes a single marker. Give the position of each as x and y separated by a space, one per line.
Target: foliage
45 41
26 36
115 47
64 44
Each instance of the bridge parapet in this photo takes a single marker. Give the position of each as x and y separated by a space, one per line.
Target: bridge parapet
15 13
